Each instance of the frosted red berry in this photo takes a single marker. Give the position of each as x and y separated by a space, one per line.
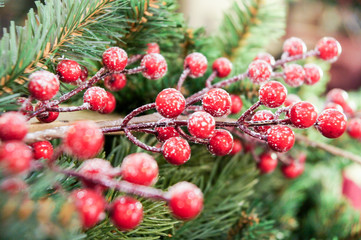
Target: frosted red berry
90 206
26 106
84 73
186 200
217 102
164 133
331 123
303 114
294 75
313 73
115 59
332 105
291 99
13 126
126 213
68 71
259 71
110 104
155 66
96 97
267 162
139 168
265 57
222 66
338 96
237 147
115 82
201 125
272 94
354 128
170 103
262 115
236 104
293 170
13 185
152 48
46 117
15 157
294 46
176 150
221 143
328 49
43 85
197 64
84 139
280 138
42 149
97 168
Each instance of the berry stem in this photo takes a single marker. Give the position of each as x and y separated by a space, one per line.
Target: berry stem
281 62
286 121
133 70
280 111
134 58
182 78
210 79
85 106
249 112
190 138
134 140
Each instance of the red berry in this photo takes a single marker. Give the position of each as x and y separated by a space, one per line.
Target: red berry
126 213
280 138
27 107
90 206
164 133
201 125
197 64
329 49
294 75
115 82
313 73
293 170
115 59
332 105
236 105
13 185
170 103
84 73
303 114
265 57
84 139
139 168
259 71
237 147
186 200
43 85
331 123
96 97
354 128
217 102
42 149
262 115
13 126
294 46
221 143
338 96
96 168
15 157
291 99
110 104
272 94
222 66
68 71
267 162
349 108
176 151
152 48
46 117
155 66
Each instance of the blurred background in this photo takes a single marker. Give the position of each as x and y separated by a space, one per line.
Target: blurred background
307 19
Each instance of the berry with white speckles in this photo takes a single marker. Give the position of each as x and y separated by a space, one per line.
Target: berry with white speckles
42 149
186 200
222 66
43 85
291 99
164 133
354 128
197 64
84 139
15 157
68 71
115 82
303 114
294 46
152 48
84 73
217 102
115 59
294 75
237 147
155 66
237 104
170 103
47 117
126 213
331 123
13 126
110 104
272 94
332 105
313 73
221 143
201 125
96 97
338 96
267 162
293 170
265 57
329 49
280 138
259 71
176 150
262 115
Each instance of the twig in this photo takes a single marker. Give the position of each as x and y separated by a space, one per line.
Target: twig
182 78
